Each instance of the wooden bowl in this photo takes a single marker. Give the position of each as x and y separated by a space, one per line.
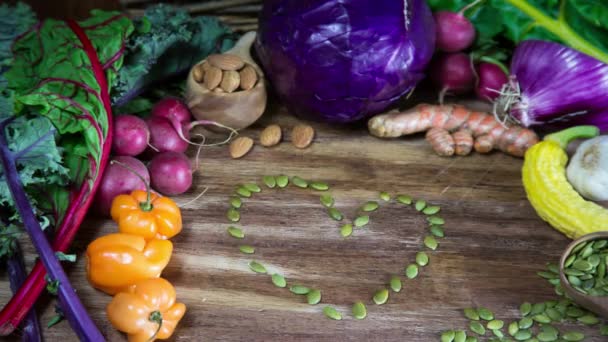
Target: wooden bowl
597 304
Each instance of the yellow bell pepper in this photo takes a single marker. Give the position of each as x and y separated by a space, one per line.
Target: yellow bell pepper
146 310
550 193
116 261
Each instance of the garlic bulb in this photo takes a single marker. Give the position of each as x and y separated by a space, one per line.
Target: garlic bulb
588 169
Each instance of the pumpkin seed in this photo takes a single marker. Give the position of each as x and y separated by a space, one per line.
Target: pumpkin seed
448 336
359 310
582 265
430 242
569 260
332 313
236 202
547 275
485 314
546 336
578 247
460 336
346 230
419 205
252 187
548 328
381 296
385 196
436 231
525 308
495 324
573 336
575 281
435 220
554 314
319 186
395 283
241 191
404 199
604 330
477 328
370 206
233 215
575 312
542 318
525 323
513 328
537 308
236 232
282 181
498 333
299 182
411 271
523 335
270 181
471 314
594 260
247 249
471 339
335 214
361 221
327 201
587 251
299 289
278 280
588 319
257 267
574 272
553 268
313 297
422 259
431 210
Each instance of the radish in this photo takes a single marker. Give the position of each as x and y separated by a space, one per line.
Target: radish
170 173
454 31
452 73
131 135
491 80
119 180
164 137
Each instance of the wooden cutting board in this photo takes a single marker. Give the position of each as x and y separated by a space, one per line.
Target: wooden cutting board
494 244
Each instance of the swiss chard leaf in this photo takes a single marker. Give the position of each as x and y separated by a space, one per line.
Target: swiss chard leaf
14 20
594 11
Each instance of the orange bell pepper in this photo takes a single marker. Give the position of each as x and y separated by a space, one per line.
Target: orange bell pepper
116 261
146 310
146 214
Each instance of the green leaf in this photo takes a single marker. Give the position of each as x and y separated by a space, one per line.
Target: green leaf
14 20
596 34
594 11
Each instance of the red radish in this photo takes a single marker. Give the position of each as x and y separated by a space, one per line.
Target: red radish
454 31
119 180
452 73
164 137
491 79
170 173
131 135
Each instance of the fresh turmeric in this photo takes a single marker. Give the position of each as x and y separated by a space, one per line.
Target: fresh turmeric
486 133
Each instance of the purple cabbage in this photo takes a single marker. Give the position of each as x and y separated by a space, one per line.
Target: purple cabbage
342 61
554 86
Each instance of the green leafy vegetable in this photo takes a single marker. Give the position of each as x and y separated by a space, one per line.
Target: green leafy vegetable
14 20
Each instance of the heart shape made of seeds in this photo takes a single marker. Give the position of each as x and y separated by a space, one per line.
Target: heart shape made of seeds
314 296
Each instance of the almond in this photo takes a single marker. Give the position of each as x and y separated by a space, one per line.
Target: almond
197 73
230 81
302 135
240 147
248 77
270 136
226 61
212 78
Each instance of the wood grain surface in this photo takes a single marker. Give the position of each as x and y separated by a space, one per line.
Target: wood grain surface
494 243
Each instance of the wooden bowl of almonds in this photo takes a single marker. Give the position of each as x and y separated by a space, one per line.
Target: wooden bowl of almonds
228 88
583 272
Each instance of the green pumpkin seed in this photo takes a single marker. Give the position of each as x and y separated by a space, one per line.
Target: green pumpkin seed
385 196
573 336
381 296
435 220
327 201
548 328
550 303
252 187
525 308
241 191
319 186
299 289
247 249
278 280
370 206
537 308
404 199
597 245
555 315
582 265
525 323
485 314
233 215
335 214
542 318
257 267
573 272
419 205
587 251
313 297
547 275
578 247
422 259
553 282
436 231
575 281
430 242
395 283
270 181
361 221
575 312
546 336
346 230
460 336
431 210
236 202
569 260
332 313
588 319
604 330
495 324
498 333
601 270
299 182
411 271
471 339
594 260
359 310
448 336
513 328
477 328
282 181
553 268
471 314
523 335
236 232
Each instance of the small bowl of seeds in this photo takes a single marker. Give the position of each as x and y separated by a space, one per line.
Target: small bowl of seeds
584 272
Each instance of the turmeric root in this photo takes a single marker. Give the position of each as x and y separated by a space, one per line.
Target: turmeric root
441 141
487 132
